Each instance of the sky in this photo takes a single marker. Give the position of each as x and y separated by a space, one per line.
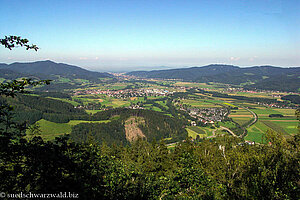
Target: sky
130 35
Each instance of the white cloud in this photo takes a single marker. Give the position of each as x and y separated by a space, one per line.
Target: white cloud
252 58
234 58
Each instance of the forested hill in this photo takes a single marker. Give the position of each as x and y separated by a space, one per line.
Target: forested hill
48 69
261 77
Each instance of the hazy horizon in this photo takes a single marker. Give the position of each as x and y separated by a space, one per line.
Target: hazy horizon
146 68
135 35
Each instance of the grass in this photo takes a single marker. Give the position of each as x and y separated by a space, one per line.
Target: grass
288 127
75 122
255 137
200 103
228 104
241 121
156 109
227 124
241 116
115 103
120 103
92 111
151 107
74 103
259 111
191 84
256 132
290 112
246 94
197 129
137 99
162 104
78 80
64 80
50 130
193 133
275 127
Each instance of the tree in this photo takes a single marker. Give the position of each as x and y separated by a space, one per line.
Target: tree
11 42
10 130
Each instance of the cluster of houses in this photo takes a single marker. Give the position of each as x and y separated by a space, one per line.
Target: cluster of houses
121 94
275 105
207 115
135 106
275 94
235 90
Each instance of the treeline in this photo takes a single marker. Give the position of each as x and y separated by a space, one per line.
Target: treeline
243 98
53 94
157 126
292 98
30 109
110 133
284 82
58 87
33 108
218 168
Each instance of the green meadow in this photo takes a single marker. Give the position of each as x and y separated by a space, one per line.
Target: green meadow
286 125
50 130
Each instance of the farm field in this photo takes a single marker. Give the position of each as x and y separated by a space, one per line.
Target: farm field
116 103
151 107
259 95
193 131
226 124
286 125
191 84
92 111
241 116
74 103
200 103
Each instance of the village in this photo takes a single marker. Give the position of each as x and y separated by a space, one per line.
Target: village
274 94
206 115
127 93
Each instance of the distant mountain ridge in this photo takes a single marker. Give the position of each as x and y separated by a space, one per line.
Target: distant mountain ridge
261 77
48 69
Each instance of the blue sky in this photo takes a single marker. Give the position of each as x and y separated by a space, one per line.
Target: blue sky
127 35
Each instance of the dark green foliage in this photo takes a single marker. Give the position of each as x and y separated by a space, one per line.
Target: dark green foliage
49 69
276 115
282 82
293 98
30 116
156 126
112 133
58 87
12 87
11 42
243 98
33 108
264 77
54 94
217 169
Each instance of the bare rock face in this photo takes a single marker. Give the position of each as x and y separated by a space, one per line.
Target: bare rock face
132 130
